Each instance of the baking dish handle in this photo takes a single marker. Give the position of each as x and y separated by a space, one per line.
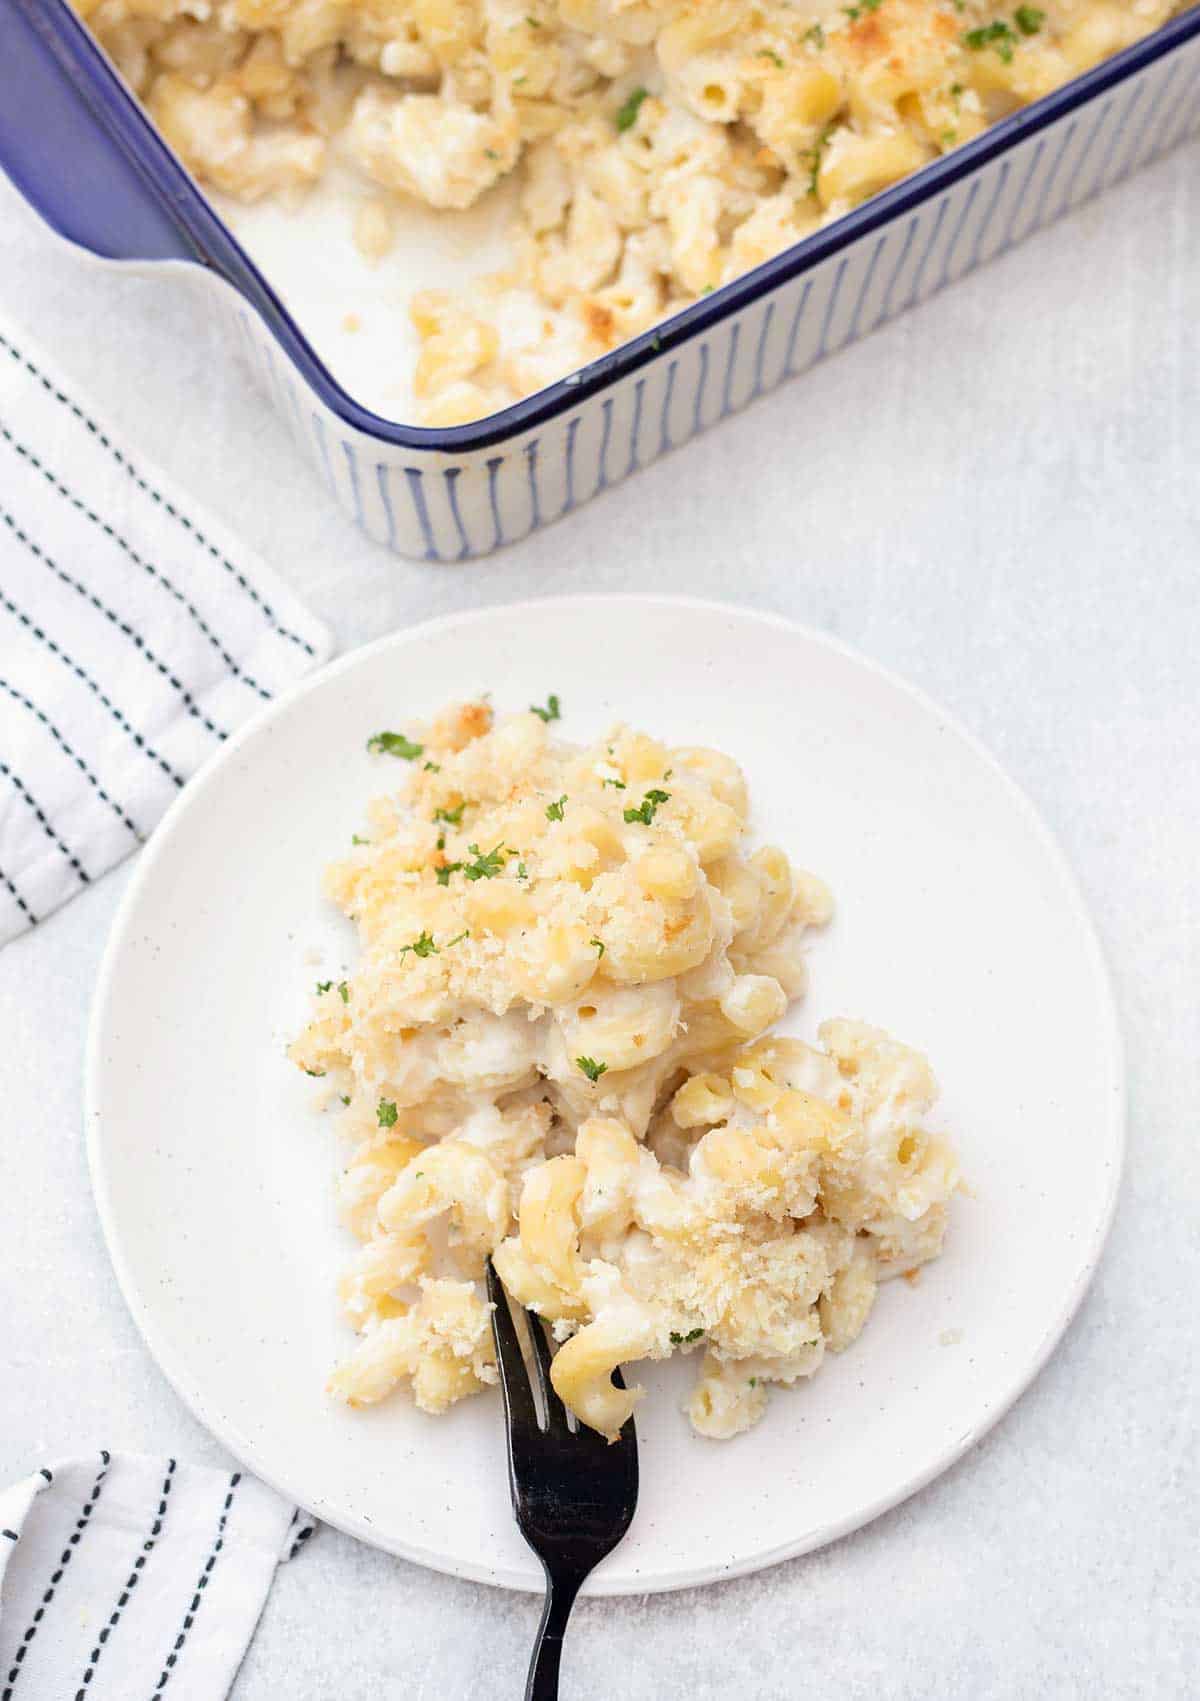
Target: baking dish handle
74 145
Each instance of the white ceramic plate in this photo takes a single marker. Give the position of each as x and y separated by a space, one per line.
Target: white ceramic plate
959 927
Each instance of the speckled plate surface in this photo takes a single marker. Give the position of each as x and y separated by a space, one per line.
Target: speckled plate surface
959 927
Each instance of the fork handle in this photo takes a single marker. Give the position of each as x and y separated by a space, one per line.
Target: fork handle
547 1648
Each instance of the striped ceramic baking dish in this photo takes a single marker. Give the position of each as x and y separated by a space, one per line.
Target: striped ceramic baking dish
78 146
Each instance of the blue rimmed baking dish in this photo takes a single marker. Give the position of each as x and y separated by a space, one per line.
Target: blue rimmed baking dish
77 145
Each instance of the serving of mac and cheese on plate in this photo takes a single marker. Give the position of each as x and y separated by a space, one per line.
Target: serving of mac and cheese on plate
656 149
555 1052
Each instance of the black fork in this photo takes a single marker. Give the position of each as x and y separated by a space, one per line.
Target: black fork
573 1492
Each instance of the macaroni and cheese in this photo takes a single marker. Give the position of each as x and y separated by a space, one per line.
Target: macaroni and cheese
553 1052
663 147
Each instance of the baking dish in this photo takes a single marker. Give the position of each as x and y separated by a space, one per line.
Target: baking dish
77 145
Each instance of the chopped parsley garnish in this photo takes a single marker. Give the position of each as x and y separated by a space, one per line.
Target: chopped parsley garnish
552 711
1029 19
433 767
591 1068
617 785
770 53
386 1113
345 1097
490 153
445 871
754 1381
324 985
317 1074
685 1340
344 992
815 155
459 937
355 840
599 944
854 13
554 811
394 744
997 34
487 864
948 138
522 871
628 111
453 817
816 35
423 946
645 810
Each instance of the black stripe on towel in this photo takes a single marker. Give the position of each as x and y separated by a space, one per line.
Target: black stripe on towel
131 1582
65 1560
111 615
127 549
32 920
67 750
157 496
202 1582
23 791
147 750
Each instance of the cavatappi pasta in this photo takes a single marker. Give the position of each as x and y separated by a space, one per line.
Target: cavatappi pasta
663 146
553 1052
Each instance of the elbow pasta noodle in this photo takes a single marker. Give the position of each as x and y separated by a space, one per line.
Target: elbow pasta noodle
663 146
554 1052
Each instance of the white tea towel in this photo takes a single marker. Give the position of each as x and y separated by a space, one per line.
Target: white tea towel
126 1578
135 634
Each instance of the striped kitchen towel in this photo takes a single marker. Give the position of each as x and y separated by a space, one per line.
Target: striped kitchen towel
135 634
126 1578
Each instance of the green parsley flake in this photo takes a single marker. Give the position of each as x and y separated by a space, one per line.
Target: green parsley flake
522 871
386 1113
997 34
420 947
345 1098
554 811
433 767
685 1340
627 113
317 1074
591 1068
394 744
324 985
815 155
646 810
770 53
459 937
617 785
1029 19
599 944
816 35
445 871
487 864
355 840
453 817
343 992
552 711
490 153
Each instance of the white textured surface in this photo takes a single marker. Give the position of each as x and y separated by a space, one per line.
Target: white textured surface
996 497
